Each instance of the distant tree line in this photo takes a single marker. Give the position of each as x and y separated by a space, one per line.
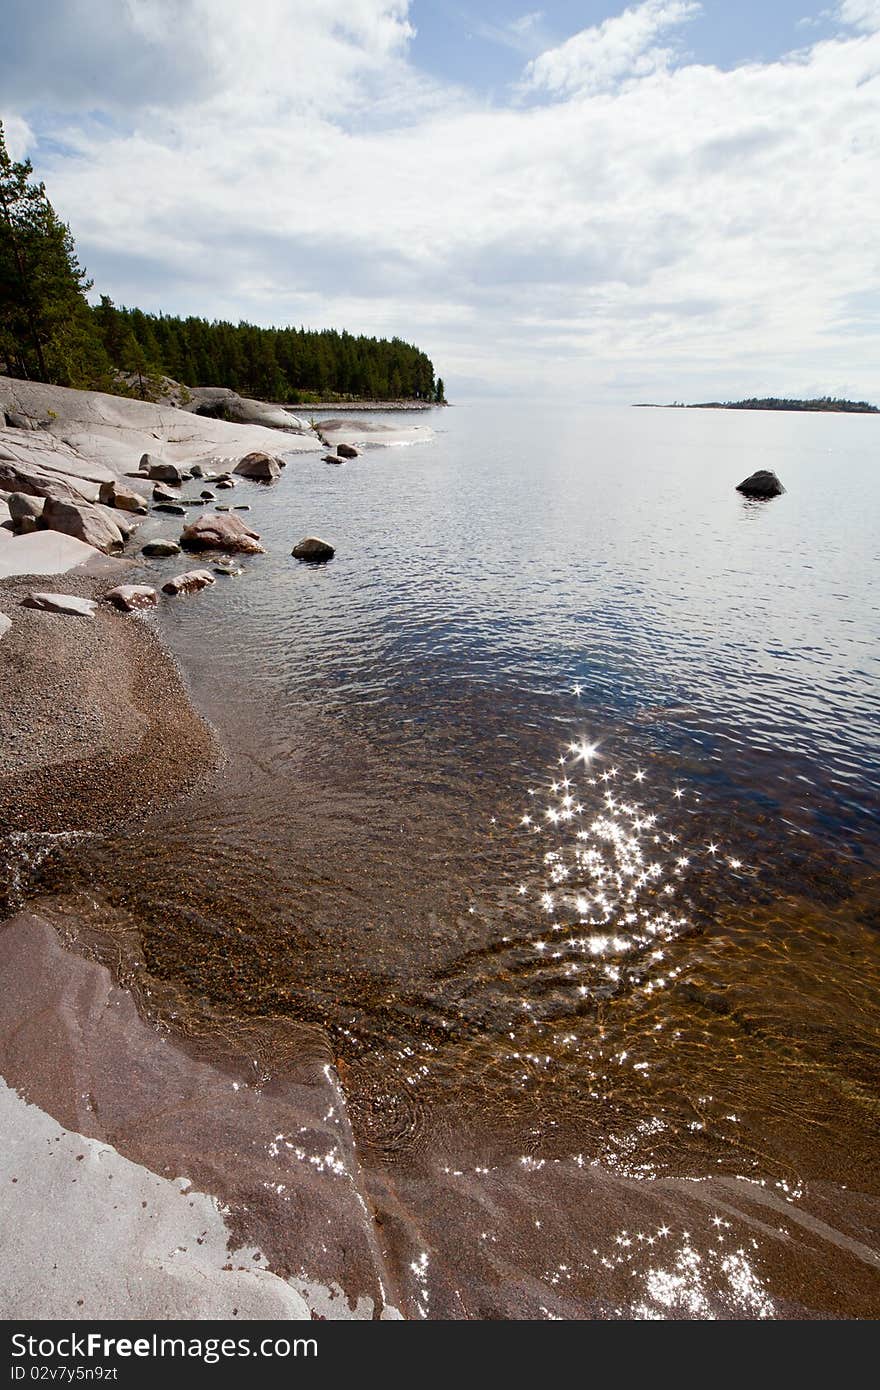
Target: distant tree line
49 332
787 403
281 364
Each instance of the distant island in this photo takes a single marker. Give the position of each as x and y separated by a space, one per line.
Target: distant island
823 403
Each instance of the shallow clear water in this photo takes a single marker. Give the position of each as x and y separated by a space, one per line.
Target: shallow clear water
551 806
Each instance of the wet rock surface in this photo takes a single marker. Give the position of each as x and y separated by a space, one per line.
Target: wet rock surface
190 582
221 532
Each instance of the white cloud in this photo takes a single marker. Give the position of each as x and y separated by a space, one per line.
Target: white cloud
688 232
623 46
862 14
19 136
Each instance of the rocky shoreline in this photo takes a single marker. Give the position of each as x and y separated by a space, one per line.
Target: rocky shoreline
99 731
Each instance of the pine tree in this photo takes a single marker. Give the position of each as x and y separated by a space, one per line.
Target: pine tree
47 331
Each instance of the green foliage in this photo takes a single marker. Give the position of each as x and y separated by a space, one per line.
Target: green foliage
47 332
293 365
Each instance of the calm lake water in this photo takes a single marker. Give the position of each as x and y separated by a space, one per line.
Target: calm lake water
551 819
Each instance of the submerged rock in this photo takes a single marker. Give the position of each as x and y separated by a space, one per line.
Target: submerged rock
172 508
228 568
84 521
189 583
313 548
764 483
161 547
132 597
70 604
263 468
216 532
346 451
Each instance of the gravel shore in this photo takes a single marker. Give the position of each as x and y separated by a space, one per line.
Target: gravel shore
97 727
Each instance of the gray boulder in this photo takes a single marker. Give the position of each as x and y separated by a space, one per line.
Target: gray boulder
764 483
23 507
70 604
5 624
162 493
313 548
161 472
85 522
346 451
132 598
161 547
188 583
122 498
221 532
263 468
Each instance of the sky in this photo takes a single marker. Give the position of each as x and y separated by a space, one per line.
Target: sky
672 199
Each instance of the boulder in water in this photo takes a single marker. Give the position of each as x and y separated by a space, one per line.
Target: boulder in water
214 531
263 468
764 483
161 472
313 548
189 583
161 547
346 451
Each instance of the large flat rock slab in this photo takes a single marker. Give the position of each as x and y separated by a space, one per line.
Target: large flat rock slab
139 1150
111 433
44 552
89 1234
